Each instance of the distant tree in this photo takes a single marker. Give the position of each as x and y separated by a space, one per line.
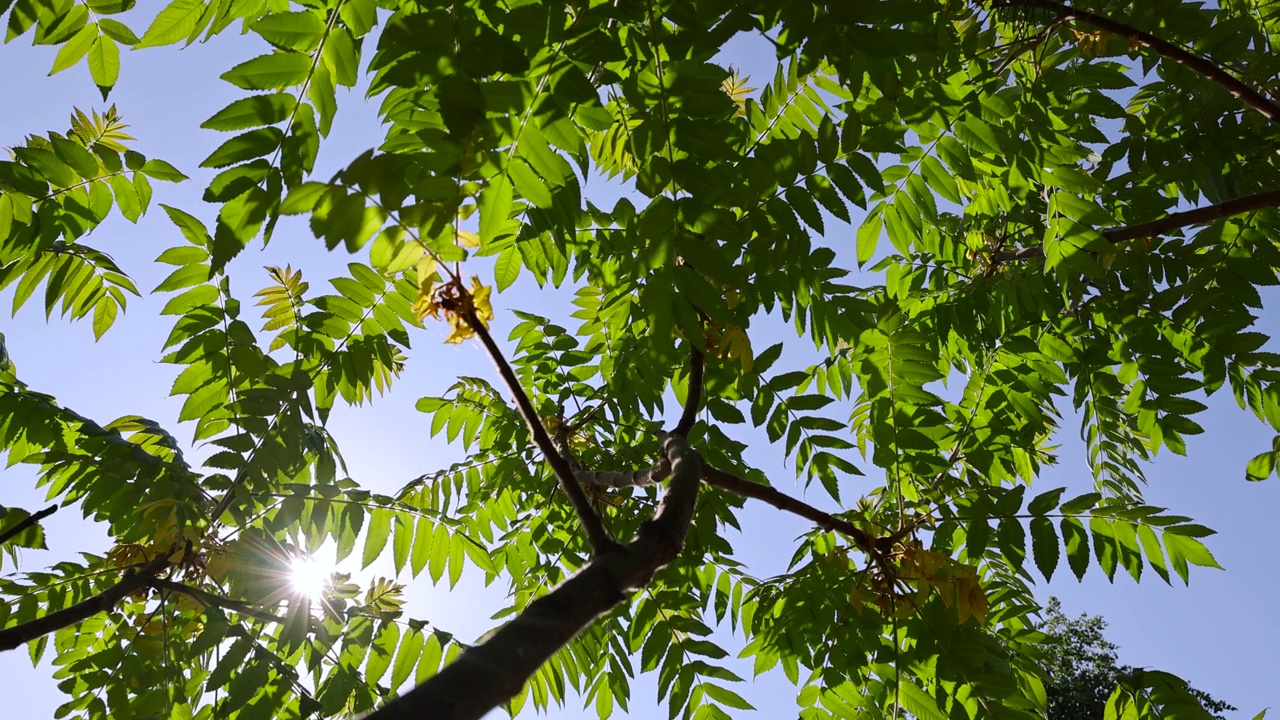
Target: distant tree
1083 669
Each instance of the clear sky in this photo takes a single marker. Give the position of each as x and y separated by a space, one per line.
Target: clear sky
1217 633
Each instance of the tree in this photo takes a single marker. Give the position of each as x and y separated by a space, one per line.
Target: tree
1082 668
1079 207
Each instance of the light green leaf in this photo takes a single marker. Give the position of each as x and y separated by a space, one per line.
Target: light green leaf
173 24
75 48
300 31
507 267
117 31
104 62
270 72
377 534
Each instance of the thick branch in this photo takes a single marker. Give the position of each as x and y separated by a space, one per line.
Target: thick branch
1161 226
493 672
132 581
626 478
1197 64
693 398
209 599
782 501
591 523
25 523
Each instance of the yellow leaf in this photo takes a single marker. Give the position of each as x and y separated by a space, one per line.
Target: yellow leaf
427 267
735 345
736 87
469 239
480 301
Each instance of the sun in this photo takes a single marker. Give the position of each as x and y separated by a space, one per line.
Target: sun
307 576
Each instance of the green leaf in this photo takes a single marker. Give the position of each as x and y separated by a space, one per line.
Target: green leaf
301 31
1044 546
406 657
104 315
270 72
245 146
126 197
341 58
507 267
1261 467
253 111
376 535
173 24
495 208
161 170
1183 550
75 48
940 180
104 62
359 15
117 31
1044 502
869 235
1076 541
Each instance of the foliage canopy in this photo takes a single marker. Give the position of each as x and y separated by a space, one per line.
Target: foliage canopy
1060 210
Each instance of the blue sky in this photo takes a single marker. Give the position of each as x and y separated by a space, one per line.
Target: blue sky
1218 633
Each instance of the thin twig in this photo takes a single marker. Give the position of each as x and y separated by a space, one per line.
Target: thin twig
1173 221
1200 65
693 398
209 599
739 486
25 523
597 536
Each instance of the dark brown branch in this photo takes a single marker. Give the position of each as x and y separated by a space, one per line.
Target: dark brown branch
591 523
782 501
209 599
1173 221
493 672
25 523
133 580
1197 64
693 398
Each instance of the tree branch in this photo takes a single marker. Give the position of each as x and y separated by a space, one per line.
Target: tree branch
693 398
739 486
493 672
1197 64
591 523
133 580
25 523
209 599
1160 226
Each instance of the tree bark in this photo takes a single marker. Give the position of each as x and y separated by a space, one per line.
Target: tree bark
493 672
132 581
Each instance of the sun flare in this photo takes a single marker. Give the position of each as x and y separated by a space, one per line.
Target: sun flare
308 576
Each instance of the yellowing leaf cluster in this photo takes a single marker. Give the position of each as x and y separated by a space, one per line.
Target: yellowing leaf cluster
957 584
1092 43
455 303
